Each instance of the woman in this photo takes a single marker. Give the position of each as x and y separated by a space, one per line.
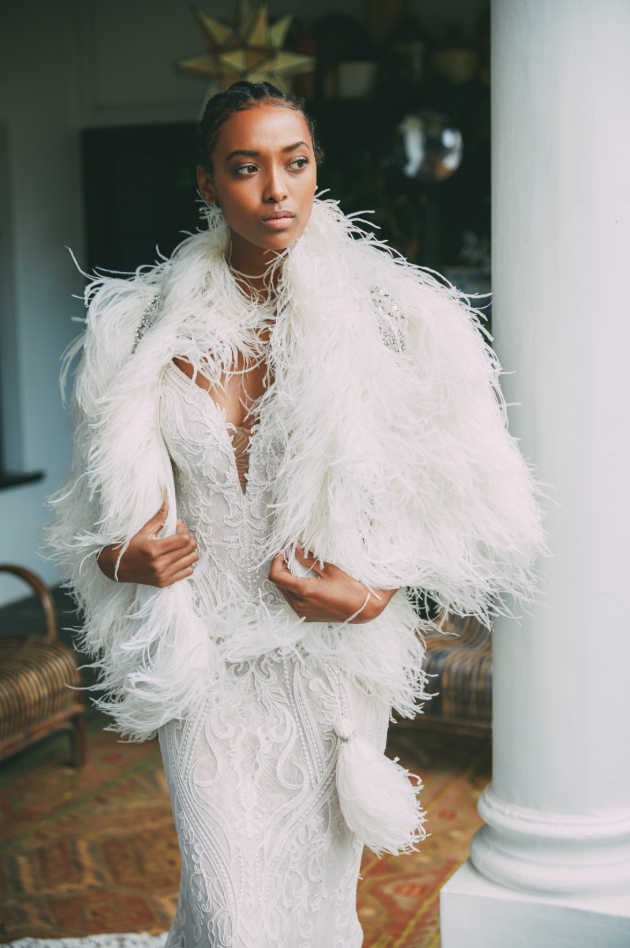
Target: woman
283 384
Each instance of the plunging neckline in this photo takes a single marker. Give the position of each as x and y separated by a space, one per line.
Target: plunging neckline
239 437
240 446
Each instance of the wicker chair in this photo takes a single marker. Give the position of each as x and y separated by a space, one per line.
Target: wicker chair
35 672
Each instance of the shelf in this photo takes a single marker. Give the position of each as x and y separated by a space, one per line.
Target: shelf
15 478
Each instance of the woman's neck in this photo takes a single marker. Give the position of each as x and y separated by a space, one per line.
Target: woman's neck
251 265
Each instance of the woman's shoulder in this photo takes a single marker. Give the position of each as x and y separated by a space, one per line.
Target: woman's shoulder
119 312
122 308
117 306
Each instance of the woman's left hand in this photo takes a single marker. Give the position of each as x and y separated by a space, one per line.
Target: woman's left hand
329 596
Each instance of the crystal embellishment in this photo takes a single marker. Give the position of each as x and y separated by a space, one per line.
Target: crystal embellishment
392 323
147 320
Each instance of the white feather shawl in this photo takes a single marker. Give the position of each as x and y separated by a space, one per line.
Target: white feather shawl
397 464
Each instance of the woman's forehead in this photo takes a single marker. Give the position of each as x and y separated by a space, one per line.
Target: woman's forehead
265 125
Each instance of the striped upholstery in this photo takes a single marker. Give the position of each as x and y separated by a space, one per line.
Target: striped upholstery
460 661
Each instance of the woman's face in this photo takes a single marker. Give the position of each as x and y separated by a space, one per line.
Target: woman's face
263 175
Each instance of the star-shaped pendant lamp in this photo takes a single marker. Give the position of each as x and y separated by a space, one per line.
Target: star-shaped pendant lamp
249 48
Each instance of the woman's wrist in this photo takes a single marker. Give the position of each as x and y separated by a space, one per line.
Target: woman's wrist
374 606
107 560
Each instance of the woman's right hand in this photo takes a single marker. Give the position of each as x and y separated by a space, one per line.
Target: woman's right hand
150 559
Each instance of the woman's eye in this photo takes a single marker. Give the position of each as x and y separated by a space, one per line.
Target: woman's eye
247 169
298 163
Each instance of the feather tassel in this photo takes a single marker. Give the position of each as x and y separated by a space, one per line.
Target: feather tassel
377 798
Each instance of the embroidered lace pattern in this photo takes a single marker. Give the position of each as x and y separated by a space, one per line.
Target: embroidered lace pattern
392 323
267 859
146 322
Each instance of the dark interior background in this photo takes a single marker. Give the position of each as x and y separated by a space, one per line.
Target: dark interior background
140 186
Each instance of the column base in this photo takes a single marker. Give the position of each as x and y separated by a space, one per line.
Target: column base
553 853
478 913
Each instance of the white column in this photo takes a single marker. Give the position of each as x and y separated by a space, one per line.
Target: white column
551 867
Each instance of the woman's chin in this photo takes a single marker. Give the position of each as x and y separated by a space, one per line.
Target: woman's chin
279 241
266 238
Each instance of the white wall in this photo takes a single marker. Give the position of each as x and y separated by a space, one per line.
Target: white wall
64 65
38 103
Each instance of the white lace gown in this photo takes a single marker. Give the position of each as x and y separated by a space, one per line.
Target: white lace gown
267 859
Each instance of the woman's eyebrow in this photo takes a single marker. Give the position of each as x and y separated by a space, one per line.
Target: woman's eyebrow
246 153
297 145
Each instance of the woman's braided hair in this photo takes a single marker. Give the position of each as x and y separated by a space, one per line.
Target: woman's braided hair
239 97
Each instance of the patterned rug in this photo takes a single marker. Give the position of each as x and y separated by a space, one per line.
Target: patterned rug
95 851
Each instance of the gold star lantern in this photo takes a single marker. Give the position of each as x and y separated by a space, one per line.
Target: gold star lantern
249 48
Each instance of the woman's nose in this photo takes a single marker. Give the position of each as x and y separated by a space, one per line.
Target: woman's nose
275 190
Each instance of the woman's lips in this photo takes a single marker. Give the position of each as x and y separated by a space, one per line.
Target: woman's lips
279 221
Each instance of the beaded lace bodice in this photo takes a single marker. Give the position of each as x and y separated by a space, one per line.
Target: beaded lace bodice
267 860
222 477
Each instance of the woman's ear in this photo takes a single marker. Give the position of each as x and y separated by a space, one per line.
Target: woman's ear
206 186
